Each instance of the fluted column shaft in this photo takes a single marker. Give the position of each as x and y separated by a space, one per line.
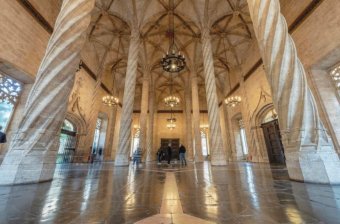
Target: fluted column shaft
198 156
150 154
187 93
309 151
218 156
144 116
122 156
32 153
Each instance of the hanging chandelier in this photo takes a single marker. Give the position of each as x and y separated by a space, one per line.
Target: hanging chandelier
110 100
171 121
173 61
171 101
171 126
233 101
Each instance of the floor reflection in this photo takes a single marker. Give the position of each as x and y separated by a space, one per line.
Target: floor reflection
237 193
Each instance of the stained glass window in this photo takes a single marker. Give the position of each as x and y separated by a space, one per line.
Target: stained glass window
10 90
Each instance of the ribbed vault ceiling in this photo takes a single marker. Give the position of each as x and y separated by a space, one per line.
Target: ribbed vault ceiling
112 21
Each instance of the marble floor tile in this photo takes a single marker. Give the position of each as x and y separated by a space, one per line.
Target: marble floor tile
198 193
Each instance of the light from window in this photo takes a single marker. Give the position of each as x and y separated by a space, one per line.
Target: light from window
10 90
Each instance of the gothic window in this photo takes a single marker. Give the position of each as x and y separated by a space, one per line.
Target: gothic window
95 144
335 74
243 138
10 90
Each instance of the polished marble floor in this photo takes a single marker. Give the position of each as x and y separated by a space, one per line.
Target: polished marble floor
237 193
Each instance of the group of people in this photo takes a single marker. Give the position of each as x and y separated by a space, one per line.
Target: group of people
163 154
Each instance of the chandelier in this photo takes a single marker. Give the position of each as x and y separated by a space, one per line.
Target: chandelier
171 126
233 101
110 101
172 62
171 101
171 121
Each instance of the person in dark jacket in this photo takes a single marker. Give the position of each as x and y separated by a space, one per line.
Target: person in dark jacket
2 136
182 151
169 151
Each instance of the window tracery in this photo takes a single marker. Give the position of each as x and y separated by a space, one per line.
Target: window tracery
335 74
10 90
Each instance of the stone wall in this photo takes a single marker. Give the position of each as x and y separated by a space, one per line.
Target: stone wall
23 41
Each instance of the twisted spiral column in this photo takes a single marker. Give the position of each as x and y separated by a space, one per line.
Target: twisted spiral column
198 156
32 154
149 134
309 151
122 156
143 119
218 156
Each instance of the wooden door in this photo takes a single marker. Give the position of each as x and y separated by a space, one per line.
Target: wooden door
174 145
271 132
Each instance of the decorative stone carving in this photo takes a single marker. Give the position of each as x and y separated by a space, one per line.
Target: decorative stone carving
122 156
218 156
32 153
309 151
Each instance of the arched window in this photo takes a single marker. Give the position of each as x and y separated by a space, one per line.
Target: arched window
67 140
135 140
204 142
10 90
243 138
335 74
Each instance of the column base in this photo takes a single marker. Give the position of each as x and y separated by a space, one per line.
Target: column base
122 160
314 166
20 167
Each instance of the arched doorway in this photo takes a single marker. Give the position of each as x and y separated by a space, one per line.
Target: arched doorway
205 142
68 141
272 136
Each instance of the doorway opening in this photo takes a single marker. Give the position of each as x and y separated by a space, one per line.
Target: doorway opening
135 140
272 136
205 143
99 138
68 141
174 145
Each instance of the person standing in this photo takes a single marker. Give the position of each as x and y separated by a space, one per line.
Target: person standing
160 154
169 151
182 151
2 136
137 156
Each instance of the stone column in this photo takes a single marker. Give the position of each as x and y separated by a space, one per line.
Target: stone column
150 153
32 153
196 120
218 156
122 156
310 155
143 119
187 95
